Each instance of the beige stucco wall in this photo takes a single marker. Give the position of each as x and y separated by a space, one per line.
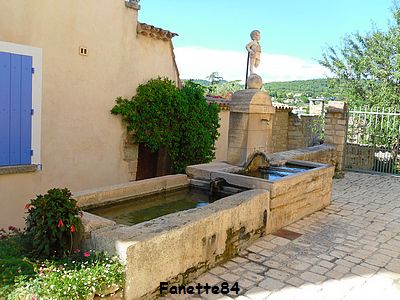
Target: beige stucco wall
81 142
221 145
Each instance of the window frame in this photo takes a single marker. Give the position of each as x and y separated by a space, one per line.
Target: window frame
37 62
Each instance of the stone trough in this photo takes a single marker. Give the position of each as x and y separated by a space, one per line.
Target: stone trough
291 198
177 247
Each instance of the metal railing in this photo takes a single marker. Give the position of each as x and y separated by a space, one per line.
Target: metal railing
373 140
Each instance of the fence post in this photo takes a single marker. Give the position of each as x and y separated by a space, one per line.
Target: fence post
335 130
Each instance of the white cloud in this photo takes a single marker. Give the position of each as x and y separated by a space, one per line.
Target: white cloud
198 63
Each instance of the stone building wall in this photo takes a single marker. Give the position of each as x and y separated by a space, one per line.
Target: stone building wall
280 126
80 144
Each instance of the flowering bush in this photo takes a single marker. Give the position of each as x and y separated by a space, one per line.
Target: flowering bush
80 276
53 223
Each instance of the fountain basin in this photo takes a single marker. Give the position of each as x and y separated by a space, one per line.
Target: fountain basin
136 210
292 197
177 247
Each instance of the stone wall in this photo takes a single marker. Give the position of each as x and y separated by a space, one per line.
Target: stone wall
335 129
360 157
300 131
280 125
324 154
131 153
297 196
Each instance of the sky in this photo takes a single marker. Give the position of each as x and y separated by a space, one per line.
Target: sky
294 33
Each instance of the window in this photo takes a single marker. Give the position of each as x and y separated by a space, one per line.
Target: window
20 101
15 109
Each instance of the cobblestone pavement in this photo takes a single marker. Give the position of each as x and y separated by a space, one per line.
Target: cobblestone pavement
349 250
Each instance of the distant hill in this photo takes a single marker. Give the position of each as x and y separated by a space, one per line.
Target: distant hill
204 81
309 88
299 89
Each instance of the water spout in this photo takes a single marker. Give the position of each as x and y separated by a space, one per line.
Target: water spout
256 160
215 187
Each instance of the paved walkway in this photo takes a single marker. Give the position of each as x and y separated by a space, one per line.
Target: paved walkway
350 250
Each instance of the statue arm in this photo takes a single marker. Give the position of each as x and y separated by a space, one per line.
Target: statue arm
248 47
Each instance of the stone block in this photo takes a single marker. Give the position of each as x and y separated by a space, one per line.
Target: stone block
131 152
92 222
259 121
251 101
329 132
340 133
203 171
238 121
336 107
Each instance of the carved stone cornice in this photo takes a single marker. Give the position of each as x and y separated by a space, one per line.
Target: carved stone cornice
154 32
134 4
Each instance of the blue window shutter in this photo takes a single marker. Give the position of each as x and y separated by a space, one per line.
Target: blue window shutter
5 82
26 108
15 109
15 113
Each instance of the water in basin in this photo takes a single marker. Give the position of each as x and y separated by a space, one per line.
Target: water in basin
272 173
137 210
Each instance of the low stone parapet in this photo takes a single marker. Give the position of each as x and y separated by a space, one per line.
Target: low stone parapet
325 154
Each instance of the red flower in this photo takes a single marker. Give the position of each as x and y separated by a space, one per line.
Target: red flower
27 206
60 223
77 250
73 228
86 254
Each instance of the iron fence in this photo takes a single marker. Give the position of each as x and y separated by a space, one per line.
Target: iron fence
373 140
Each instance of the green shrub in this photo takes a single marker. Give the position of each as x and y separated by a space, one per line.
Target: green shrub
161 115
12 260
76 277
53 223
200 125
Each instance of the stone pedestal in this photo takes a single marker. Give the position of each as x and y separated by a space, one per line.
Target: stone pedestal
250 125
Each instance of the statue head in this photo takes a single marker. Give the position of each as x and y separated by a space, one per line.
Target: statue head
255 35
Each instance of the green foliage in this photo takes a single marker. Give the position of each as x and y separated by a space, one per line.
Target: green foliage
367 67
76 277
307 88
161 115
200 125
52 223
12 260
223 89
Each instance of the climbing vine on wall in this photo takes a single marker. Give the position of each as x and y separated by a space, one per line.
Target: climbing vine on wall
161 115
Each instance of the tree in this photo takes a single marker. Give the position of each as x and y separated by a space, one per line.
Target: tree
161 115
214 77
367 67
